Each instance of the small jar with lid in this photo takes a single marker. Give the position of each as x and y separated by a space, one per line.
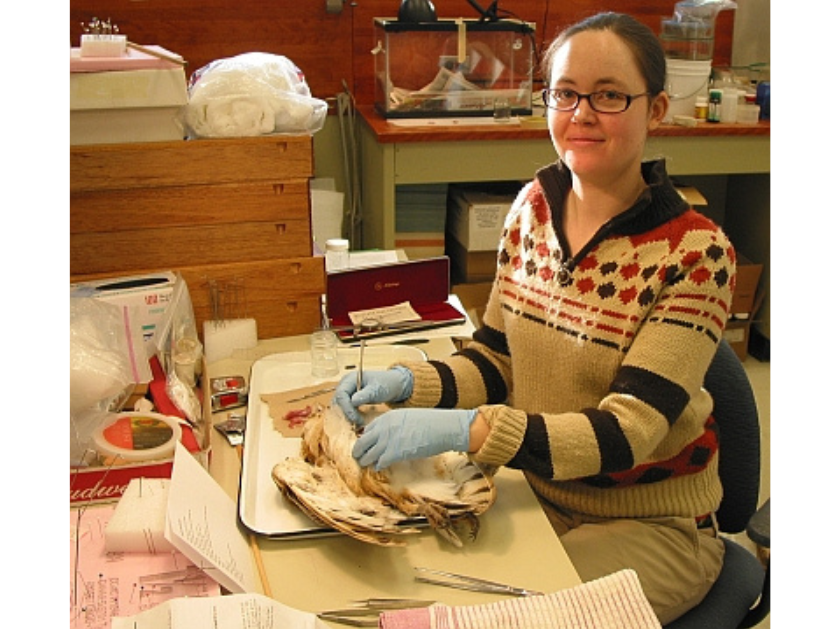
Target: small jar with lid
701 107
337 254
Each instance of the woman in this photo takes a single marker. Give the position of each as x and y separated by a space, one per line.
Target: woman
607 307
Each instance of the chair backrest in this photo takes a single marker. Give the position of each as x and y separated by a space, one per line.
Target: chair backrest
737 418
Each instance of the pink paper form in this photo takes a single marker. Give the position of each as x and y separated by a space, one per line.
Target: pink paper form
103 584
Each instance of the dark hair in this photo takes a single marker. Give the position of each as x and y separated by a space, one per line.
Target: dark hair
647 50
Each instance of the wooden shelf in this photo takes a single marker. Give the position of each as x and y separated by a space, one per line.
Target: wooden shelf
386 132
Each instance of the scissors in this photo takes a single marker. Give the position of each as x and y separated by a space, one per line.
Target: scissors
464 582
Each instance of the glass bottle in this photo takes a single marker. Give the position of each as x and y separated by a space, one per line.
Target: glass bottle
701 107
714 107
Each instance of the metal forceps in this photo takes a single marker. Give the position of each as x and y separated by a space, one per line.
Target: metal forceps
366 613
464 582
374 327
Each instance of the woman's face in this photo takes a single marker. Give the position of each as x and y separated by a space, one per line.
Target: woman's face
601 147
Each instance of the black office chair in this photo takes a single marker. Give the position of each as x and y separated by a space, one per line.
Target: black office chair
740 598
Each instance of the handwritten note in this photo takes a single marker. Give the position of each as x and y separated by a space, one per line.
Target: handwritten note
398 313
201 523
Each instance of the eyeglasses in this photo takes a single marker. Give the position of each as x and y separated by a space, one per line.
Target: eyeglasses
604 102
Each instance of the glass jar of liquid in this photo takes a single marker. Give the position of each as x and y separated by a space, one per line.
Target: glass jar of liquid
701 107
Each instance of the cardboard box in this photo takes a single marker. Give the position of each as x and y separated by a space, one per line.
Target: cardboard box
127 106
474 297
747 299
475 217
691 195
98 485
748 275
470 266
151 294
736 333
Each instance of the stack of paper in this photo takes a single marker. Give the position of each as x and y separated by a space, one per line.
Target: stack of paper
420 220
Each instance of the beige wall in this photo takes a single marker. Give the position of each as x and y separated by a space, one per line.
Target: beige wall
752 33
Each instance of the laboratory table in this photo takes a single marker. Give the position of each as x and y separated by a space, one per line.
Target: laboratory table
395 153
515 543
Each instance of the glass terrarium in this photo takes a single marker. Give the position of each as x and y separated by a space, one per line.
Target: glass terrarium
453 67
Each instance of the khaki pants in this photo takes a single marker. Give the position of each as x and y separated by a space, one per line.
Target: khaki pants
676 562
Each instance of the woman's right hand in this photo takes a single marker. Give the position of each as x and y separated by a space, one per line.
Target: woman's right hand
377 387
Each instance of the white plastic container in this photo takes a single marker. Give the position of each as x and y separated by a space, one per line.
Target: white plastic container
730 104
747 114
686 79
337 254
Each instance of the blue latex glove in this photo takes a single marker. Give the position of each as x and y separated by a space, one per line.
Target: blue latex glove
413 433
377 387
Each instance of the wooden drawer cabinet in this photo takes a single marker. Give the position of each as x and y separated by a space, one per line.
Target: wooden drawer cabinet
220 212
155 164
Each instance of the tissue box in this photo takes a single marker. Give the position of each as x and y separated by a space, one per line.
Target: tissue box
452 67
113 106
151 294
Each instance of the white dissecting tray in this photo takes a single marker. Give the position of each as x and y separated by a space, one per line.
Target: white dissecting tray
262 508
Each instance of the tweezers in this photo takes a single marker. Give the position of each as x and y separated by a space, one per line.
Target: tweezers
312 394
365 613
463 582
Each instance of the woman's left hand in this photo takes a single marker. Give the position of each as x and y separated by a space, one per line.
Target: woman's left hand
413 433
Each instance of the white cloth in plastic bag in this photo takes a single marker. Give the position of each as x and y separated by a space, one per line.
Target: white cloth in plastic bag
106 353
251 94
106 359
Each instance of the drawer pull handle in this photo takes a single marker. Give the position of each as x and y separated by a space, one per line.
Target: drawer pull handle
279 188
280 228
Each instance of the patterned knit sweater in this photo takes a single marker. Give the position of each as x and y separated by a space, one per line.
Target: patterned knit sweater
589 369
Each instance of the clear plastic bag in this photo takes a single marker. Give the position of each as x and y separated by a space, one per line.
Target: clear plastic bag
249 95
106 353
107 359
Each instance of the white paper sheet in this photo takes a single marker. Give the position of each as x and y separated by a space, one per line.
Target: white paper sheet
237 611
201 523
